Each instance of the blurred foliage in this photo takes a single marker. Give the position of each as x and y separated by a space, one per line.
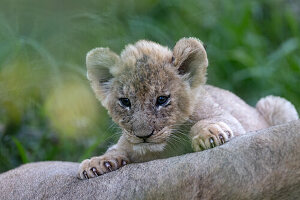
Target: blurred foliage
47 109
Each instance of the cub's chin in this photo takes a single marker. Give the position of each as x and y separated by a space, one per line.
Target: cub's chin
143 148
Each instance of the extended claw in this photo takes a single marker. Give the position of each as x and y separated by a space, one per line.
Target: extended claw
212 142
124 162
94 170
222 139
85 174
108 165
228 133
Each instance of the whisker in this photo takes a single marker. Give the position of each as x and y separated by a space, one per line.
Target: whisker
180 140
181 137
171 146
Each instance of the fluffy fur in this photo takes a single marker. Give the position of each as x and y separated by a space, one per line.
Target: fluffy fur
145 71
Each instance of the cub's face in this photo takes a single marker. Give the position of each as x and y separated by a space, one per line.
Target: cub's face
148 101
148 89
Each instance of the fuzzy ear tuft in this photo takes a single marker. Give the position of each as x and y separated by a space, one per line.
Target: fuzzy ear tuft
190 59
101 64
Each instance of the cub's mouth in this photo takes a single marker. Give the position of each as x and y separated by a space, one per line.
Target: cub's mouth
146 138
154 141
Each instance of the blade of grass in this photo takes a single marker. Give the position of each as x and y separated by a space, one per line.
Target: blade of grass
21 150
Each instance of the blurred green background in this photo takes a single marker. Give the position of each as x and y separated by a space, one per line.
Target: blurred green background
47 109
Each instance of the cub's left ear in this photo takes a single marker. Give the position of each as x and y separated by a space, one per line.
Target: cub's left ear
190 59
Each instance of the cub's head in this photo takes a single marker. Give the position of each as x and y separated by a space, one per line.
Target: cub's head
148 88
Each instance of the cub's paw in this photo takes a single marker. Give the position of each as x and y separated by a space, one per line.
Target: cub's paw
97 166
210 135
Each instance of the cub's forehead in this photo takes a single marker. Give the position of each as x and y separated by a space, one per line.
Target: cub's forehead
145 50
146 70
146 78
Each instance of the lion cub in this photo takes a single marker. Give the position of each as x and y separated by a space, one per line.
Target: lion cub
150 91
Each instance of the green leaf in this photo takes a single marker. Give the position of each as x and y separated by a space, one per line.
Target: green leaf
21 150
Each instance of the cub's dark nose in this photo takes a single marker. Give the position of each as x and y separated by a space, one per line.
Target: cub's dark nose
145 136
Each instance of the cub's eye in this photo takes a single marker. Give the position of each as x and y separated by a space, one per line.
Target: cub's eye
162 100
125 102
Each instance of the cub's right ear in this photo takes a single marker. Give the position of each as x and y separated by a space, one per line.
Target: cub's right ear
190 58
101 64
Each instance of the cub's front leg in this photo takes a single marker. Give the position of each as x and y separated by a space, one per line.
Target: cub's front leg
112 160
213 132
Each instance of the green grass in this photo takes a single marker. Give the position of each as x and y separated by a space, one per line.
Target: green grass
21 150
47 109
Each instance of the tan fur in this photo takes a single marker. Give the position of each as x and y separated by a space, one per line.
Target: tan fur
147 70
282 110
